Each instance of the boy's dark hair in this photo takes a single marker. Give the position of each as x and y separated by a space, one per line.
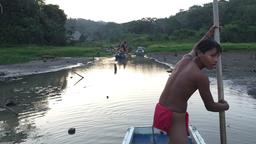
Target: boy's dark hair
206 45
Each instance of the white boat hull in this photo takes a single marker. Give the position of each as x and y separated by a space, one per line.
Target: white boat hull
149 135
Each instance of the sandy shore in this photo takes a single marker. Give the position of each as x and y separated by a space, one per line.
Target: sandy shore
14 71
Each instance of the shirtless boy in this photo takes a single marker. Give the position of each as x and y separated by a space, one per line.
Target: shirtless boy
187 77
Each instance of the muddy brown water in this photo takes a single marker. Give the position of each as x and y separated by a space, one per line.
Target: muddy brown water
110 99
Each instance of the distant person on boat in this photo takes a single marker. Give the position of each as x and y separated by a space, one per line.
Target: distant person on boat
122 51
171 111
123 47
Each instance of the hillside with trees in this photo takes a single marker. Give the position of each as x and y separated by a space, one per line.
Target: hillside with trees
237 18
34 22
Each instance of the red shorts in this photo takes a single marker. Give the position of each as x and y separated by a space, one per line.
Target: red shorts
163 118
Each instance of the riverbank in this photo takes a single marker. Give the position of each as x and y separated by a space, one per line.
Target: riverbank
14 71
25 53
234 63
238 66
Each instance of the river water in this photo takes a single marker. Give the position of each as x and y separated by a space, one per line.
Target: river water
103 104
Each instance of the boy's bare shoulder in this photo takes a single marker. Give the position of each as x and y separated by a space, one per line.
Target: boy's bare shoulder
189 69
197 74
201 78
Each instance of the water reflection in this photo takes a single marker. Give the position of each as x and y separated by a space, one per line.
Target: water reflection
115 69
122 62
252 92
103 104
30 95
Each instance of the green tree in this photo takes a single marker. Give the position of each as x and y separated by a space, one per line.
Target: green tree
53 20
25 22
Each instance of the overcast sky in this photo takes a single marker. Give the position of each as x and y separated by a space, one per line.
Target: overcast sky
121 11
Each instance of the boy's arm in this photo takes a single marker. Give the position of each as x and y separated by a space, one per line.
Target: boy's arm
205 93
208 35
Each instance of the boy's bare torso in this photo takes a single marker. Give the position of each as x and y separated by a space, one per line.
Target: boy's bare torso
181 84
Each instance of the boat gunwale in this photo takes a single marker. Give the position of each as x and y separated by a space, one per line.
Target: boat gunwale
194 134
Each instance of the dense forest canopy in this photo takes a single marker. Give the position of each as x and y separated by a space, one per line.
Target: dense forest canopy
32 21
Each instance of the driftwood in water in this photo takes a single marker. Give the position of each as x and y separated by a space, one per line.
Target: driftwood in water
7 104
79 79
9 109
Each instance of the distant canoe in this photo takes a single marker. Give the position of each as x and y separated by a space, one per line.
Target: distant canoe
149 135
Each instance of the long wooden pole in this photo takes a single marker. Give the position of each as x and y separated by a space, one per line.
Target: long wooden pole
1 9
222 120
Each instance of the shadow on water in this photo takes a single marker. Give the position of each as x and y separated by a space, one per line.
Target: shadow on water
30 99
